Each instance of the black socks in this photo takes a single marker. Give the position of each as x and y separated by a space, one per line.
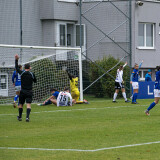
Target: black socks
28 112
20 112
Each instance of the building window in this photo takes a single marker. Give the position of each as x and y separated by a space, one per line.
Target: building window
78 35
142 74
141 34
66 34
69 35
3 84
62 35
146 35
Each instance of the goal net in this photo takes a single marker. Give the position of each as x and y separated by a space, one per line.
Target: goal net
49 65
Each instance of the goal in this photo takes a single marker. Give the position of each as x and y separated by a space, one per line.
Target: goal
49 65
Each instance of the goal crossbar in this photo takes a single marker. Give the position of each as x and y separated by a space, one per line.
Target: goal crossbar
78 50
39 47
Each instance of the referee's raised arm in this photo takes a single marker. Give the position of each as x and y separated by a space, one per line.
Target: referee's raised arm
16 64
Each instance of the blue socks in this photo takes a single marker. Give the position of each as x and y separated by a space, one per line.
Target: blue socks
16 97
134 98
48 102
151 106
136 94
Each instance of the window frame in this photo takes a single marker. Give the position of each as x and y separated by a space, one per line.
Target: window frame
153 32
143 75
60 35
4 92
57 30
84 35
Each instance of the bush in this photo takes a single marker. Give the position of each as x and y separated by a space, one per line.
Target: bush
105 87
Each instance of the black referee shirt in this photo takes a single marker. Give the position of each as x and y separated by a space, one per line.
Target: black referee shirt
27 78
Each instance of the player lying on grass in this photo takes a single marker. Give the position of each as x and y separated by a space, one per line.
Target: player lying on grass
134 82
16 84
65 98
52 99
156 91
74 88
119 84
26 94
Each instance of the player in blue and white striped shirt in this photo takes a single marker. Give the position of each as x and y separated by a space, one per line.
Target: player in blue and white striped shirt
65 98
134 82
156 91
16 80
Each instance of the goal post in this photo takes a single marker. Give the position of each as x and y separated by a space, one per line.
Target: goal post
49 65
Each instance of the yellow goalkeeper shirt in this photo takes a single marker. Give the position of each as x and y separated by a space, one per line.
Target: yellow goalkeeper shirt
74 84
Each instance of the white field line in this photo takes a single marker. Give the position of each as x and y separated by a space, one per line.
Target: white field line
81 150
102 101
83 109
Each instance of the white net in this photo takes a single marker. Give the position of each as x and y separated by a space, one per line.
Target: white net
49 65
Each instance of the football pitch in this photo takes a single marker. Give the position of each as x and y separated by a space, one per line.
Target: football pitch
101 130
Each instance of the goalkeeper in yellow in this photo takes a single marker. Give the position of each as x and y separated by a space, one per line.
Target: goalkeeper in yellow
74 88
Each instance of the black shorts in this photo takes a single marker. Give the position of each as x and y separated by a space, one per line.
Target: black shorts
25 96
119 85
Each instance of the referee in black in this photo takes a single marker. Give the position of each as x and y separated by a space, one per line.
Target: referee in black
27 79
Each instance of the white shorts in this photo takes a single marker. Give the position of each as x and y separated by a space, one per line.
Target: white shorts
156 93
17 88
135 85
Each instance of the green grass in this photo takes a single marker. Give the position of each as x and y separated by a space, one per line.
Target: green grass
86 129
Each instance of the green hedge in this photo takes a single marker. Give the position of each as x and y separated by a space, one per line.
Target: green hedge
105 87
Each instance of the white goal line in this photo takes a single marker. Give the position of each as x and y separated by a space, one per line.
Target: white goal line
81 109
81 150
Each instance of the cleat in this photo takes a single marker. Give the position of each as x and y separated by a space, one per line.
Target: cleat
40 105
135 103
19 118
114 101
14 104
127 101
147 113
85 101
27 119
